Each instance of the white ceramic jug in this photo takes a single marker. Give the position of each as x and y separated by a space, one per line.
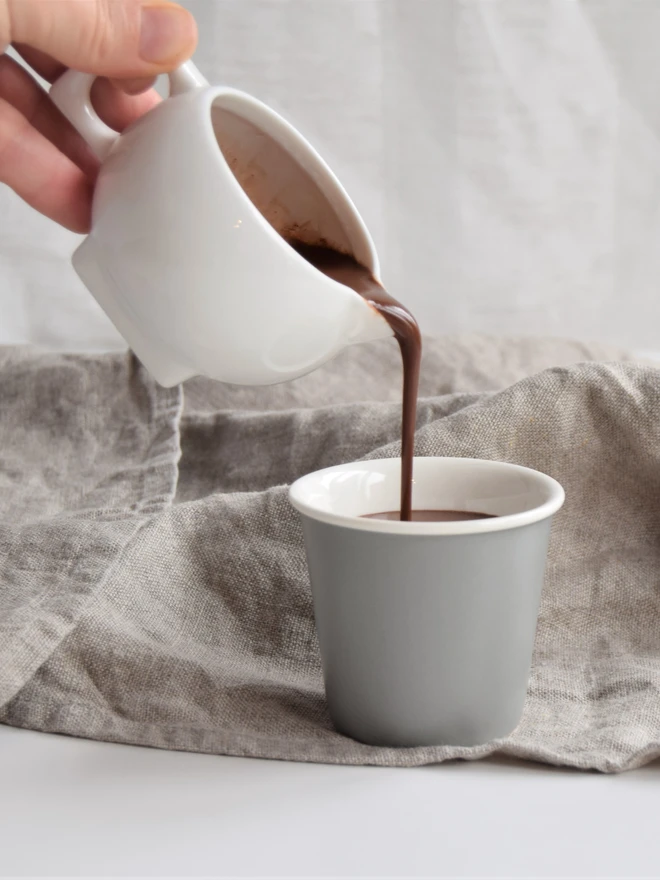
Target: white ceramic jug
188 254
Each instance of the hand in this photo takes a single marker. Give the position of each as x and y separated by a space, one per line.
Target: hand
127 42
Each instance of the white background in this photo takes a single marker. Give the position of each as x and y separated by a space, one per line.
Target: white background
506 156
504 153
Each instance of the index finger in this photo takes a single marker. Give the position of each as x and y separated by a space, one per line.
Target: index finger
115 108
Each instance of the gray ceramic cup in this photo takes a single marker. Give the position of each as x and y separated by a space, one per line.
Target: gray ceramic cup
426 629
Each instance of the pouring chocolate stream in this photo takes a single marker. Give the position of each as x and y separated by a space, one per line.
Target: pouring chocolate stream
346 270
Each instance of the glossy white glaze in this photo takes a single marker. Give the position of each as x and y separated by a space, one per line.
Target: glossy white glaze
190 264
514 495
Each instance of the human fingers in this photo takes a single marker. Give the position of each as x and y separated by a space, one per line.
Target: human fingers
116 108
122 39
110 98
20 90
43 176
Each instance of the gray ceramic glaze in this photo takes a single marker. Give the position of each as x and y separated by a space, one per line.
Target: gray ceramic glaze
426 639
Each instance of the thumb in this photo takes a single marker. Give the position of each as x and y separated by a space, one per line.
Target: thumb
115 38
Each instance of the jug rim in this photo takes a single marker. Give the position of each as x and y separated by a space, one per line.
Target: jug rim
362 245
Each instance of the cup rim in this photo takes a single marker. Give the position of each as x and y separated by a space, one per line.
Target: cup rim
551 505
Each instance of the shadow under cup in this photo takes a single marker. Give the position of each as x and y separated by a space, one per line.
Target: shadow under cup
426 629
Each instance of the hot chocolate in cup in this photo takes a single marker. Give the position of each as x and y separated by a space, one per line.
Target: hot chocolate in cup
426 629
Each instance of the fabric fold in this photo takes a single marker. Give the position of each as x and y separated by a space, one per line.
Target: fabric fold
89 447
200 633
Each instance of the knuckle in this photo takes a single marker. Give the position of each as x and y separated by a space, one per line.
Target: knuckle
10 79
12 129
111 27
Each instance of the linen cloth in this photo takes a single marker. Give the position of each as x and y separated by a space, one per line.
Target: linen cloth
153 583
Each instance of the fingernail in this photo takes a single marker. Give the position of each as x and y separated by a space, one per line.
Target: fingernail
165 33
134 86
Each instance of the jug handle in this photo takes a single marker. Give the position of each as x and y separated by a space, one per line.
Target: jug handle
71 94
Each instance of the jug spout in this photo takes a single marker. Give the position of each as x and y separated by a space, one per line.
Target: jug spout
369 324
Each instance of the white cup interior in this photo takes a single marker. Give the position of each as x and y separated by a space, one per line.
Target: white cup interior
513 495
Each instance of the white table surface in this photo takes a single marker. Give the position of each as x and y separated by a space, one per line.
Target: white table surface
74 807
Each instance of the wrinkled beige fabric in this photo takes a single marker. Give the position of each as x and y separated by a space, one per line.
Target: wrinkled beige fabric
139 609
